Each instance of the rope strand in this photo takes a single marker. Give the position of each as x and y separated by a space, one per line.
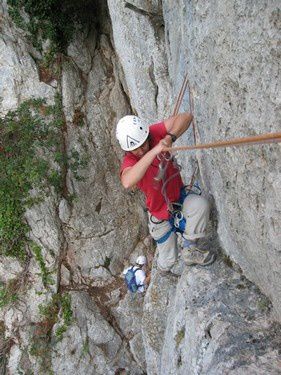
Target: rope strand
234 142
180 96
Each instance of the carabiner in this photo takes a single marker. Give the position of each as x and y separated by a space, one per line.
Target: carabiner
178 216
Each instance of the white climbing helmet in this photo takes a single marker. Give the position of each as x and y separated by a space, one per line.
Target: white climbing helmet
141 260
131 132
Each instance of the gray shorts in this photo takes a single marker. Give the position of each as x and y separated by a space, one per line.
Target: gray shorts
196 211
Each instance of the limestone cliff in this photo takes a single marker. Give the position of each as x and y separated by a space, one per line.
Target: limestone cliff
131 58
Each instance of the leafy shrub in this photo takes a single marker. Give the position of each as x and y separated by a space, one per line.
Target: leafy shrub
8 292
41 343
45 274
28 136
32 156
180 336
50 314
65 303
52 20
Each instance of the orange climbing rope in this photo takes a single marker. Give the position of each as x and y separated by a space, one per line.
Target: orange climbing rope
234 142
184 86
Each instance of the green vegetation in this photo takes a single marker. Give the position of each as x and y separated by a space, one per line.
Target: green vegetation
227 260
107 262
79 119
45 274
77 162
8 292
65 303
28 136
32 158
264 304
85 348
52 20
179 336
50 311
42 331
59 303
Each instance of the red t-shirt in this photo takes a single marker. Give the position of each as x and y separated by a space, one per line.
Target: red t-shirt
155 201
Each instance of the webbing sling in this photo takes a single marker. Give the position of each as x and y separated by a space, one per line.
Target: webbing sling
166 236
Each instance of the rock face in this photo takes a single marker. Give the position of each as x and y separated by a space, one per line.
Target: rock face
141 50
102 346
231 53
208 321
208 324
216 325
85 241
19 73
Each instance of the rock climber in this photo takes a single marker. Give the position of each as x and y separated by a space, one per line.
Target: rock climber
145 148
140 278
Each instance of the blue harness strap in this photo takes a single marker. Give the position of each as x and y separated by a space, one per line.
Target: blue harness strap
174 228
166 236
177 220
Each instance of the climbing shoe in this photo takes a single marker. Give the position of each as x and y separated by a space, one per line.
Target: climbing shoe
194 256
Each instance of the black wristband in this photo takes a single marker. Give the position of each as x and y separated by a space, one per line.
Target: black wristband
173 136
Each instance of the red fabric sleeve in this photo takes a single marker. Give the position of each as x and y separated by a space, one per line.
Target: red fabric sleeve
128 161
158 131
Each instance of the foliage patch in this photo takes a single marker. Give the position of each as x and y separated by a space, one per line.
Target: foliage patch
45 274
8 292
32 159
66 312
180 336
42 333
30 137
50 312
52 20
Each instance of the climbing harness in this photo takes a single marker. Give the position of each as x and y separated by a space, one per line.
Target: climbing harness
177 221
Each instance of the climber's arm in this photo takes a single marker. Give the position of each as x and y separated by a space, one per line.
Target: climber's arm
178 124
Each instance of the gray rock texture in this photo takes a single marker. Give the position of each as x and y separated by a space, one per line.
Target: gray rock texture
96 218
139 43
217 320
92 344
85 241
19 73
217 325
230 53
